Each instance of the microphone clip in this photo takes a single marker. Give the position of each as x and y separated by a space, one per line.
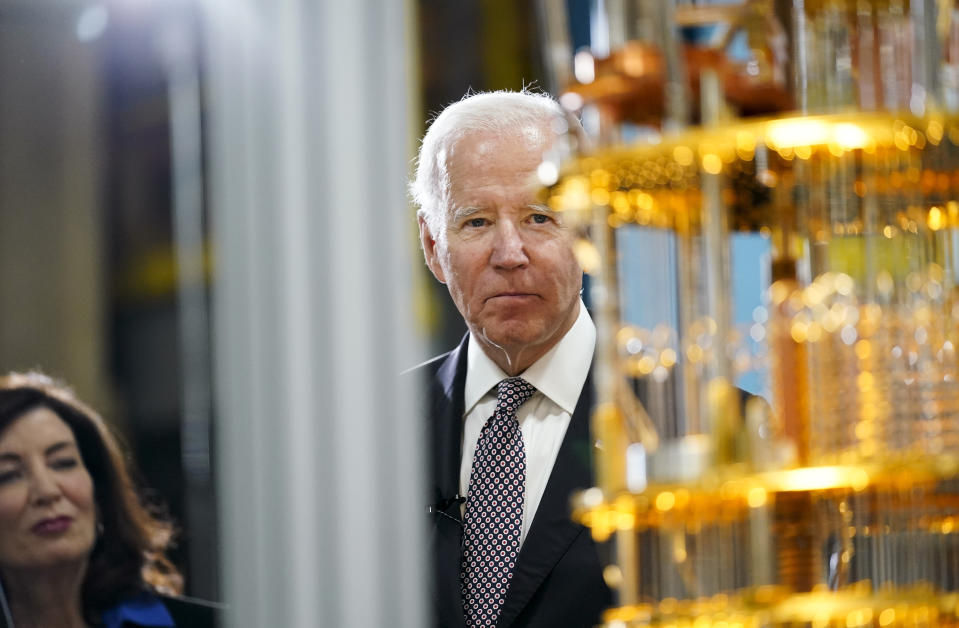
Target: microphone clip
440 507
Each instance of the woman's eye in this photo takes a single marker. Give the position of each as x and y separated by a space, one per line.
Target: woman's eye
64 463
9 476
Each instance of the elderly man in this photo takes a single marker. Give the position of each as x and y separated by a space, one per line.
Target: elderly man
509 407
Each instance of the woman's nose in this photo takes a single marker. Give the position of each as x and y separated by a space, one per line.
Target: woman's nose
44 487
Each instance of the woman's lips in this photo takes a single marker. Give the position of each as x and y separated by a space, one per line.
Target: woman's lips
52 527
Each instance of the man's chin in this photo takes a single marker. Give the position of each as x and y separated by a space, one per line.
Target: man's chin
512 336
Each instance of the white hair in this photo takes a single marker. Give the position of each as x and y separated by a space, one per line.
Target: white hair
500 112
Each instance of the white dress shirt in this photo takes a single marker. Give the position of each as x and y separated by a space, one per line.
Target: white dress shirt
558 377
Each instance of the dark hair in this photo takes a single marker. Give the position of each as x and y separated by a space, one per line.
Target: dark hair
129 554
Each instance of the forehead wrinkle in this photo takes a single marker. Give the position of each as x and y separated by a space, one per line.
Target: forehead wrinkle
533 135
486 142
536 134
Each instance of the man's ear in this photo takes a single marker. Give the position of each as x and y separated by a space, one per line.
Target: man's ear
430 252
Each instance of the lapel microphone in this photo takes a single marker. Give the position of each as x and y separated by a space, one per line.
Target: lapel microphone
440 507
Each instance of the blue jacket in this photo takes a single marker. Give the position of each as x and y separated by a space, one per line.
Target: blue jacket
143 610
152 611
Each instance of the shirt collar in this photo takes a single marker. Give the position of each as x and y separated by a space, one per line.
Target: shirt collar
559 374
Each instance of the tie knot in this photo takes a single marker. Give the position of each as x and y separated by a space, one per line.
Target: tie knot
512 392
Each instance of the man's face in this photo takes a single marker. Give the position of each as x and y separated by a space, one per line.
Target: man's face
507 260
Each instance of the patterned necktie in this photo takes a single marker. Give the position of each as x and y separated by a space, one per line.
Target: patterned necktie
494 507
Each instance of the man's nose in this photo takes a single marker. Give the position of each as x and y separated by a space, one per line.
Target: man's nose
509 249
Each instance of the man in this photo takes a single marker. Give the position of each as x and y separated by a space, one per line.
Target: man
509 407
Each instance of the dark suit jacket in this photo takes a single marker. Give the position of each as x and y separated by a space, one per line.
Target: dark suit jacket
557 581
192 612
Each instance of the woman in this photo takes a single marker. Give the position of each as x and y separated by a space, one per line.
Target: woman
77 547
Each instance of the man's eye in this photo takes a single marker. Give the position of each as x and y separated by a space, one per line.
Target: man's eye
540 219
8 476
475 222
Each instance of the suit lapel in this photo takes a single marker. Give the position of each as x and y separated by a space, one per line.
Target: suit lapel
446 438
553 531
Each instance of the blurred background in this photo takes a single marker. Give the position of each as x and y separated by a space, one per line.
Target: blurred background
175 178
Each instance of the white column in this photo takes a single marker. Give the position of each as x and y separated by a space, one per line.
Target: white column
319 464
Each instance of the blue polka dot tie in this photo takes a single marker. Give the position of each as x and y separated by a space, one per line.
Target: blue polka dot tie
493 523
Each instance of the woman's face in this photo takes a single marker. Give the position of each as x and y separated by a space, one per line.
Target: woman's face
47 508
